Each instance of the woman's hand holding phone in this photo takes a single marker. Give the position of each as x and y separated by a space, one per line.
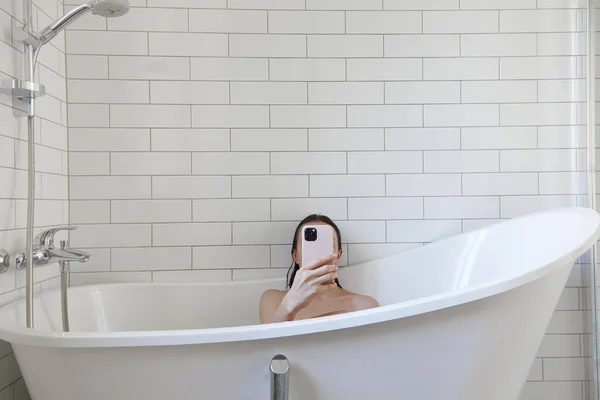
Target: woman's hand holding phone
310 281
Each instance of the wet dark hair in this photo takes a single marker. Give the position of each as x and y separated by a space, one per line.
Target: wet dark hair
311 218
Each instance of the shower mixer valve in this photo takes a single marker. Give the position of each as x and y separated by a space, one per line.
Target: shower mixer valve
44 252
6 261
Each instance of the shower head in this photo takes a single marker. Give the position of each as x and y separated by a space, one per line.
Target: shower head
104 8
110 8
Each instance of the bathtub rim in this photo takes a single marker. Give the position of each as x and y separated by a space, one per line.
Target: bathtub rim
20 335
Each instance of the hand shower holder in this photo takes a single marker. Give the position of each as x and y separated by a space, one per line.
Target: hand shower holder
21 92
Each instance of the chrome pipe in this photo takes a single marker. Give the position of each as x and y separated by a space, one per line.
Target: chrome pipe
591 105
65 267
29 76
280 369
28 15
30 216
591 177
64 285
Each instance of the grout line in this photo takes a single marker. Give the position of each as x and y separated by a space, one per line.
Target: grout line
306 46
347 163
499 153
499 68
346 70
499 22
307 94
385 185
347 209
347 117
307 139
192 257
107 68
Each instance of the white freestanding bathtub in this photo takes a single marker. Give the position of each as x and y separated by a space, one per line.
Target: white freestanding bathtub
461 319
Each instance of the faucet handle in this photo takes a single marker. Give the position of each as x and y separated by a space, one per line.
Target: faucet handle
4 261
46 238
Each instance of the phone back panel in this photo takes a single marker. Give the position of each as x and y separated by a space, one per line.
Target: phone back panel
320 248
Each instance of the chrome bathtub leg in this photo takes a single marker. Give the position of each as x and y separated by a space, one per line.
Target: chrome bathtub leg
280 369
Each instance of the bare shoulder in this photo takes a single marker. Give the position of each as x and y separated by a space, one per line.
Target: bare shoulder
365 302
271 296
360 302
269 302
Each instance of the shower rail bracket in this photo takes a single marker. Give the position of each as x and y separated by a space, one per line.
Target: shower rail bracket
24 36
21 92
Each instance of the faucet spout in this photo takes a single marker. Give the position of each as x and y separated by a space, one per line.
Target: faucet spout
69 255
51 255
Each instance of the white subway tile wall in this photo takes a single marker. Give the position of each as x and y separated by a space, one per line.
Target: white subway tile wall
198 142
52 206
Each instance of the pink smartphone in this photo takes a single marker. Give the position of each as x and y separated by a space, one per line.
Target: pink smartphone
317 242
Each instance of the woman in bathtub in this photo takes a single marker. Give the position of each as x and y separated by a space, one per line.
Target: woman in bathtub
313 290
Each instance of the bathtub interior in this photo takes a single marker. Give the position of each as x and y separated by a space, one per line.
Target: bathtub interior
485 257
147 307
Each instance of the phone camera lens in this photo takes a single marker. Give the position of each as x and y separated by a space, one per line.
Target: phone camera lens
310 235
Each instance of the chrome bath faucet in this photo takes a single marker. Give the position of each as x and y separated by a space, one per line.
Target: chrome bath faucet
44 251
